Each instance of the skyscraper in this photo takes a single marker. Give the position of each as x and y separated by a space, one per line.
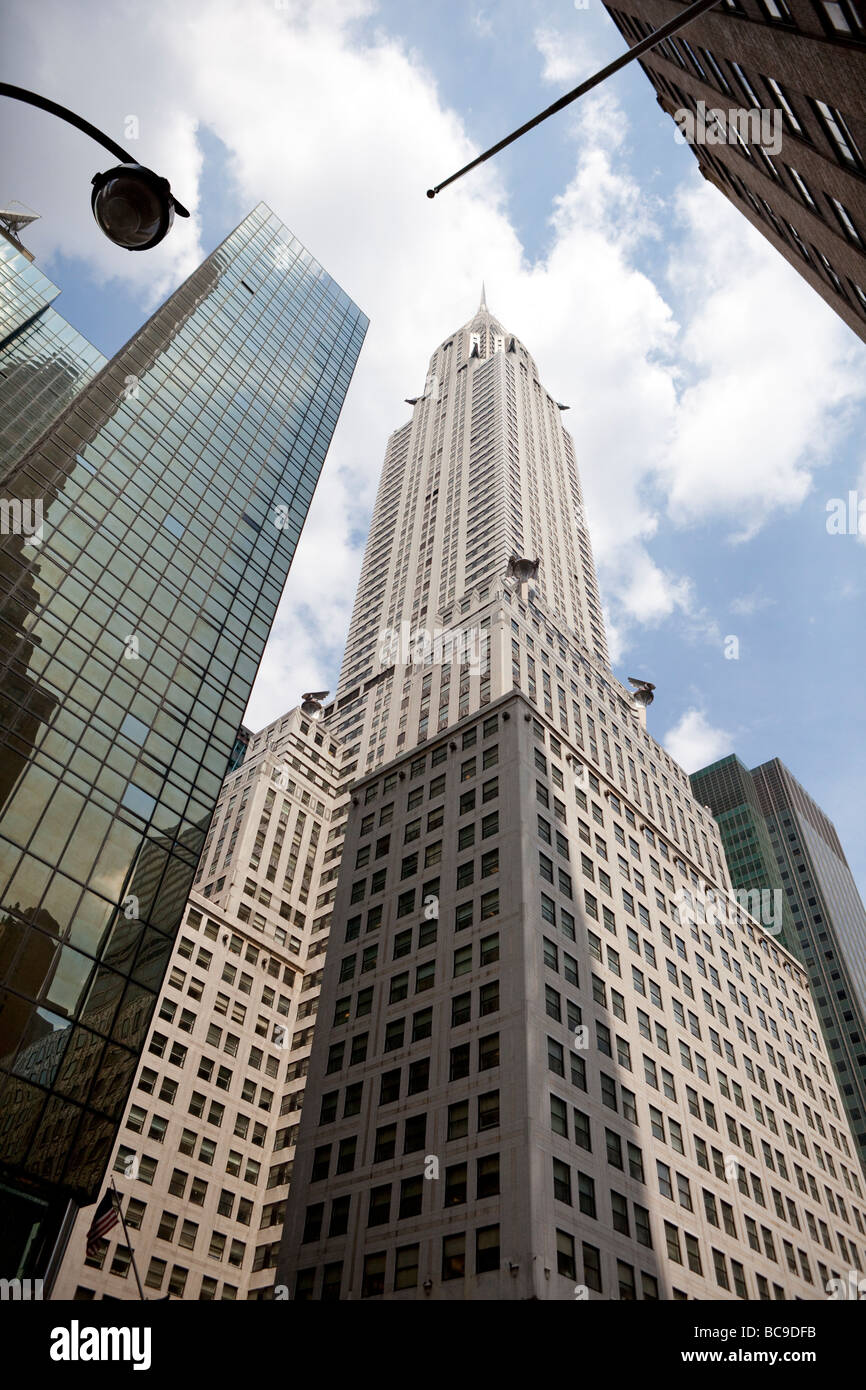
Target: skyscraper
804 188
776 836
482 470
727 790
43 360
554 1058
172 490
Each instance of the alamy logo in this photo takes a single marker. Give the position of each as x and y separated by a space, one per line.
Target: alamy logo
26 1290
846 518
738 126
854 1287
77 1343
22 518
466 646
765 905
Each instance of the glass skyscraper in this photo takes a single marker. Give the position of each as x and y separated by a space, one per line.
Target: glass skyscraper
43 360
172 491
776 836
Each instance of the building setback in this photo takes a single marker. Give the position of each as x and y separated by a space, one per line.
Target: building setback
796 849
204 1155
806 60
173 487
553 1057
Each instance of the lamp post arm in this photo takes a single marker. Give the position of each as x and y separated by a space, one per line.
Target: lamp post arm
52 107
671 27
33 99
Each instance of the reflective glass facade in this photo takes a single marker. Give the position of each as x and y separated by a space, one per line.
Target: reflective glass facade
830 922
173 490
777 837
43 360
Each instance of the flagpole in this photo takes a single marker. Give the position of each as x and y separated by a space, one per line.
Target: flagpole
671 26
119 1206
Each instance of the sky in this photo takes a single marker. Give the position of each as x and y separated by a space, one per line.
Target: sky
716 402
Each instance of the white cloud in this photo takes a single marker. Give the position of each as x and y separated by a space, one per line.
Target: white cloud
693 742
649 595
732 451
568 58
725 414
745 605
861 506
482 23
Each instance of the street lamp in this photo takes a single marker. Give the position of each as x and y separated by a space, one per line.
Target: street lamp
133 206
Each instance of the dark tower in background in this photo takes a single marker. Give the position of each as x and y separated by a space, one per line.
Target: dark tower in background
777 837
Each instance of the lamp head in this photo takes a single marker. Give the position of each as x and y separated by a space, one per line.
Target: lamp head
133 206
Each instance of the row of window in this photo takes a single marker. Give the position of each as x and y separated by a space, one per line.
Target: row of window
404 1263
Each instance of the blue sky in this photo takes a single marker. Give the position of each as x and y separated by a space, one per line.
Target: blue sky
717 403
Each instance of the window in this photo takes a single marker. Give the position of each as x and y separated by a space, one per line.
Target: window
693 1254
839 17
411 1197
488 1052
561 1181
454 1256
399 989
558 1116
839 135
415 1134
486 1249
425 976
582 1130
802 187
379 1208
489 950
406 1266
422 1024
844 218
488 1110
339 1222
565 1261
455 1184
586 1194
419 1076
458 1120
373 1282
592 1267
462 960
385 1144
394 1033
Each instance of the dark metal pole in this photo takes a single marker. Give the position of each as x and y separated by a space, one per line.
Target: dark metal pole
691 12
34 99
119 1205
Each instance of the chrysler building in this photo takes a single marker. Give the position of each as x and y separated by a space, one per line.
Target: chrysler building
554 1057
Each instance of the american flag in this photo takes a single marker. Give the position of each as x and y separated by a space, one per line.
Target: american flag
104 1218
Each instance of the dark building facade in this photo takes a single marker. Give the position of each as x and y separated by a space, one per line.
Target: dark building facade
777 837
173 489
805 59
